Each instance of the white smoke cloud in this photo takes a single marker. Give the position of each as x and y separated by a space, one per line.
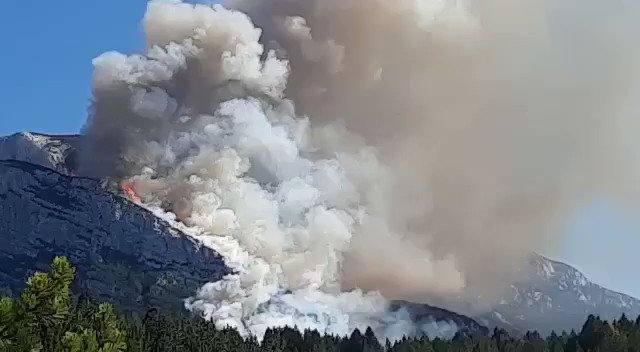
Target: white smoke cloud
203 132
413 149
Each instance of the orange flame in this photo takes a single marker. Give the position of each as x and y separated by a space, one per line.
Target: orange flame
130 192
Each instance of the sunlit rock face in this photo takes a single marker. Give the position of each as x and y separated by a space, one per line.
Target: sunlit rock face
57 152
122 252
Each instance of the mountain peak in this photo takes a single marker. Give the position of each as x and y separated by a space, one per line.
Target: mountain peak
57 152
551 295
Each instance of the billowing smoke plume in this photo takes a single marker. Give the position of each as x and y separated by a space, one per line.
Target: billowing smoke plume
339 153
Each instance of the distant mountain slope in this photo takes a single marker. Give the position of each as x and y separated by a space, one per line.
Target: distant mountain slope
123 253
427 314
551 295
55 152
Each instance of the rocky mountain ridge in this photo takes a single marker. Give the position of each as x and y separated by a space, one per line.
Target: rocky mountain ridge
122 252
57 152
552 295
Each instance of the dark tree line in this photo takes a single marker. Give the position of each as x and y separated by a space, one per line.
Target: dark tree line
46 318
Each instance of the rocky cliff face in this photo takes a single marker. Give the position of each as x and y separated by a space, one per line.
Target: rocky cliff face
122 252
551 295
59 153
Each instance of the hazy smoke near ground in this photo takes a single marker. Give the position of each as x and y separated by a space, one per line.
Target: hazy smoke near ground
339 153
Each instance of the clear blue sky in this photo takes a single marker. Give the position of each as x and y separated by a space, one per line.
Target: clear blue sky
604 242
45 60
45 66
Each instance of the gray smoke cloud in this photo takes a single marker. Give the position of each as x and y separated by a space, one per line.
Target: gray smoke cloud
498 118
341 153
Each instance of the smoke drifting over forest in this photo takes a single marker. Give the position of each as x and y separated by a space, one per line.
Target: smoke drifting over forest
341 153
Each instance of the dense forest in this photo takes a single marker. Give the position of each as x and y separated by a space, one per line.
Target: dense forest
46 317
